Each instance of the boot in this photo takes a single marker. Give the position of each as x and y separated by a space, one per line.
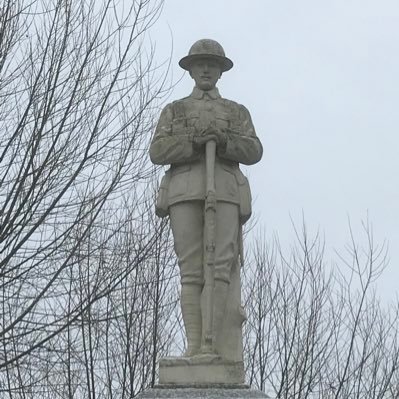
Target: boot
191 311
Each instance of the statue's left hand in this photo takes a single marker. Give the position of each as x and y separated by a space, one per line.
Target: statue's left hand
213 133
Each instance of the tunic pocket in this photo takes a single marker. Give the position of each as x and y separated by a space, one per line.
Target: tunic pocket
179 126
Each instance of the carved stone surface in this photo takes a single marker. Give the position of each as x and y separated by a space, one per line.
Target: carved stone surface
205 369
204 138
202 393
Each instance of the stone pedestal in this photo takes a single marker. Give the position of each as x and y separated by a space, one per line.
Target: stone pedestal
200 370
201 377
210 392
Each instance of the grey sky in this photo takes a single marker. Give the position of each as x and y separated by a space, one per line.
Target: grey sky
320 79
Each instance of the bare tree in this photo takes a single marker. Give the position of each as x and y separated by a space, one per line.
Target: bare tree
86 272
78 92
319 333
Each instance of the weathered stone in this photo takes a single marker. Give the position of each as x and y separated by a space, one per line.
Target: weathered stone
204 138
202 393
205 369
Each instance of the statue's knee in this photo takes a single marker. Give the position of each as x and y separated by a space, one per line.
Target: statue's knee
222 275
196 279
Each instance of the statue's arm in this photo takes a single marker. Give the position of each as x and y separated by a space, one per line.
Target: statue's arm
242 144
168 146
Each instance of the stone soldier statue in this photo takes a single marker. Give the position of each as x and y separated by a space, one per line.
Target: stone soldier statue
184 129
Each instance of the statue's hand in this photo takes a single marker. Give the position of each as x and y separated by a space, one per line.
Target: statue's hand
211 133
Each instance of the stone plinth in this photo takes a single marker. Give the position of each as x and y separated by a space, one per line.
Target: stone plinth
200 370
211 392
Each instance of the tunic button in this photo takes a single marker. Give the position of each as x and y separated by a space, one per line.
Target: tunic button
208 106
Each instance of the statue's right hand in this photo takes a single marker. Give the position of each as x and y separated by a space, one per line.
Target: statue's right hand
201 140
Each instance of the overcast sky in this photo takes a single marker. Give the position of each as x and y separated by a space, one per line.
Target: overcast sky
320 79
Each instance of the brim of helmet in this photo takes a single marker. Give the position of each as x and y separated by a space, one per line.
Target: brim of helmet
225 63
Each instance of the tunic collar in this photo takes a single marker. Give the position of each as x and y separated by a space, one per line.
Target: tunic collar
201 94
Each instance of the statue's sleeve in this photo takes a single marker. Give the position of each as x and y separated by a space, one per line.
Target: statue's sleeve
242 144
170 145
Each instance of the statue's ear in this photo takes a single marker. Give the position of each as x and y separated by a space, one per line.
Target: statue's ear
221 71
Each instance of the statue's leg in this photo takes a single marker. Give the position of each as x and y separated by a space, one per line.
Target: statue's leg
227 217
229 343
219 306
191 311
186 221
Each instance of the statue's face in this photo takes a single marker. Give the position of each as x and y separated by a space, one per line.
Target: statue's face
205 72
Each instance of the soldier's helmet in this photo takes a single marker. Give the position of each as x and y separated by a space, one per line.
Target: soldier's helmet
206 48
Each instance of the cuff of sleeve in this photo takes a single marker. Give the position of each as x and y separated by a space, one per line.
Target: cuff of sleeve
222 146
191 139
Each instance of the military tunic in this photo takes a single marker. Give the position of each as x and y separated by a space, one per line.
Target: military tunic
183 190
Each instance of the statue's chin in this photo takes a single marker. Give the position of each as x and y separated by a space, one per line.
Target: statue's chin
206 86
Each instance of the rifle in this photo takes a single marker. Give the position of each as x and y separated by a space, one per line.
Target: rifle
209 246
